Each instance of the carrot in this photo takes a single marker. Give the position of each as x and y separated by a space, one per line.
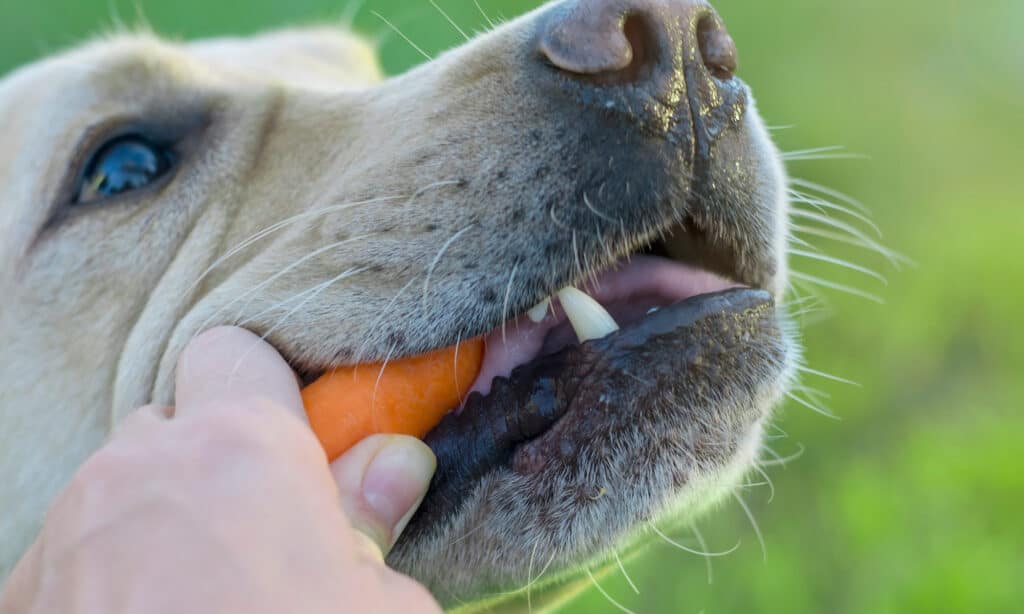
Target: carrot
406 397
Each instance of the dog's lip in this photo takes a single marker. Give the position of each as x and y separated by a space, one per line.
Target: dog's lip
543 410
628 291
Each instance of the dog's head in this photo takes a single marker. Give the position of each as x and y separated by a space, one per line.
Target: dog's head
153 190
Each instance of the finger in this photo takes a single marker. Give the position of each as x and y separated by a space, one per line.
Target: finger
382 481
230 364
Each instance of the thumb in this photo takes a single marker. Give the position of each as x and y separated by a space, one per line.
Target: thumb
230 364
382 482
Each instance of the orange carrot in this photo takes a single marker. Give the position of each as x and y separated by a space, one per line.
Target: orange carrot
406 397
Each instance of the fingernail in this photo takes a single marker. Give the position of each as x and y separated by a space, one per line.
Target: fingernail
396 482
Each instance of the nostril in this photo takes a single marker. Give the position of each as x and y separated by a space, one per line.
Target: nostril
717 48
640 36
605 47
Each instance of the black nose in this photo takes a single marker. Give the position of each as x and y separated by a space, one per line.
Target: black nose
666 67
628 41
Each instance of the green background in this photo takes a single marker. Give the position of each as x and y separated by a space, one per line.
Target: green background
913 499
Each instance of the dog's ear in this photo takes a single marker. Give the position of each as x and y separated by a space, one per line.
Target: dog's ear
305 56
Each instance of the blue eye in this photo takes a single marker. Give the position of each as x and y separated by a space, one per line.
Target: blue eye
125 164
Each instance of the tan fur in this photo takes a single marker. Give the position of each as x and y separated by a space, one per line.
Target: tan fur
98 304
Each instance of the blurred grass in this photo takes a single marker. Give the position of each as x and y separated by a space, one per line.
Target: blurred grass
912 501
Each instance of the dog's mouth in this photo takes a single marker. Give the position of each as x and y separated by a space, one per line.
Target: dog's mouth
553 377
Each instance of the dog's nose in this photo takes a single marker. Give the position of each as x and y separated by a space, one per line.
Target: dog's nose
626 41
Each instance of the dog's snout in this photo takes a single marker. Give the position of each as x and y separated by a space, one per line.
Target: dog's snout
627 41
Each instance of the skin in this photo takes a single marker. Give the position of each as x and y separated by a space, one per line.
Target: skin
161 518
404 215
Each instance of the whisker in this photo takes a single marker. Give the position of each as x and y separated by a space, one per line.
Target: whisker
823 205
278 226
792 238
812 158
312 293
380 377
704 546
402 35
593 209
508 298
840 263
467 534
601 590
768 481
265 283
625 574
672 542
753 523
813 393
455 366
554 218
581 270
490 22
778 429
310 214
836 194
544 570
437 260
801 300
834 152
814 150
116 21
831 222
812 297
348 16
894 258
529 578
826 207
805 305
781 461
837 286
450 20
812 407
803 315
360 352
828 376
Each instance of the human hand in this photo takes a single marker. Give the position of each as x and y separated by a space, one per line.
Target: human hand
226 504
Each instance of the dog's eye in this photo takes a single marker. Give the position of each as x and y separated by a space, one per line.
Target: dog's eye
125 164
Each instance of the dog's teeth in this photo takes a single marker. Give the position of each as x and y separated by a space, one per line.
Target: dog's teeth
538 313
589 319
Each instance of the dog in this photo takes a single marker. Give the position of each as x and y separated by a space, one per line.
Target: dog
152 190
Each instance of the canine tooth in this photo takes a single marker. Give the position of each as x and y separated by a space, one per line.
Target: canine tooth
538 313
589 319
